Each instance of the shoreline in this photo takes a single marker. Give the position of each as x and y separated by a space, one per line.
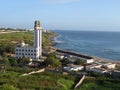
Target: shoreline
96 58
53 42
105 60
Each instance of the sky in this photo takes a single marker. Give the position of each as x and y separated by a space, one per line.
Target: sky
98 15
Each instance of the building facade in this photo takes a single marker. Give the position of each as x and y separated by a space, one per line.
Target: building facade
32 52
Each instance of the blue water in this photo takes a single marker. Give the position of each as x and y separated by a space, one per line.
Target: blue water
100 44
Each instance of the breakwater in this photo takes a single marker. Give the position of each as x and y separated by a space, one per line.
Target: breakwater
87 56
74 53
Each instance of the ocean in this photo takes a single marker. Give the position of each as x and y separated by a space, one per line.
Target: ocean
95 43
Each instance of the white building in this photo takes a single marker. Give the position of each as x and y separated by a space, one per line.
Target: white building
88 61
74 68
33 52
110 65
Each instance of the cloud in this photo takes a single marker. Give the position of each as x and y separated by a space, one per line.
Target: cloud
61 1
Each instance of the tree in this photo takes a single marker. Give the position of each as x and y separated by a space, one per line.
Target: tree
79 62
65 61
52 60
10 48
4 63
13 61
8 87
23 61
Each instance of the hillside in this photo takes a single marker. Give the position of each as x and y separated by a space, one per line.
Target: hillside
12 80
8 41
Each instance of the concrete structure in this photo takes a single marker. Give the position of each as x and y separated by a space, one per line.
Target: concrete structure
110 65
101 67
73 58
89 67
116 73
80 82
88 59
73 68
59 56
99 70
33 52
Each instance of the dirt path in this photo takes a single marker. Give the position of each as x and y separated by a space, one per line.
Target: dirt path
33 72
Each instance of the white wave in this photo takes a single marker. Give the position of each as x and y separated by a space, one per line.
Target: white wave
56 39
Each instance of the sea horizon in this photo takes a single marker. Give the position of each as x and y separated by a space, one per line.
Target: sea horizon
86 30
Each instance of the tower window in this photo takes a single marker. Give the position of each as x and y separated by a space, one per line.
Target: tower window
31 50
19 53
19 49
26 50
22 49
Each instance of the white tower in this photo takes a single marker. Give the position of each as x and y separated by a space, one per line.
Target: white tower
38 37
32 52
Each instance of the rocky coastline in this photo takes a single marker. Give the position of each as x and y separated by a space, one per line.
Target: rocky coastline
94 57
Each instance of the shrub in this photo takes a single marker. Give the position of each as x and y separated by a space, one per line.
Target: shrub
8 87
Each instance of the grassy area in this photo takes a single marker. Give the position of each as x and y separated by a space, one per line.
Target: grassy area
8 41
28 37
41 81
10 79
100 83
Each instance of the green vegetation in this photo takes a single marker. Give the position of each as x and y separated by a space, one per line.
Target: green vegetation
23 61
46 38
117 67
13 61
65 61
96 81
7 87
41 81
52 61
79 62
6 62
10 72
9 41
100 83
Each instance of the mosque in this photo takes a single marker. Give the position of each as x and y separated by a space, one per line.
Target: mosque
33 52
